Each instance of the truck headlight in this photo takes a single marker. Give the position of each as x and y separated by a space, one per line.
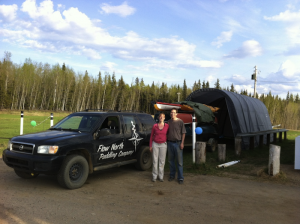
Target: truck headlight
47 149
9 145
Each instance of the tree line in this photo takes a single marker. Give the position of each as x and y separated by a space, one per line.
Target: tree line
38 86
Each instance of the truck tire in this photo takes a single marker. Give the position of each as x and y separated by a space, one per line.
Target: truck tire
211 145
26 175
73 172
144 158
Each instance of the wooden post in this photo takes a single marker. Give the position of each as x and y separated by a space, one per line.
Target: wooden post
285 135
275 137
268 139
261 141
238 146
200 152
274 160
222 152
280 136
252 142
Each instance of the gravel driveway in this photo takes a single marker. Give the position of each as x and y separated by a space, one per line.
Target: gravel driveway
125 195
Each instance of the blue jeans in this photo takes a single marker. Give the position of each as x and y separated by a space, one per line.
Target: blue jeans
175 153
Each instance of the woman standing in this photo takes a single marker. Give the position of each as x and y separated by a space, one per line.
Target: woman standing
158 147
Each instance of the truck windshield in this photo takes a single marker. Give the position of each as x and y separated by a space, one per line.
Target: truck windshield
82 123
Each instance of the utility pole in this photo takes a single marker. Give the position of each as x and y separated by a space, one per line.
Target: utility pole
254 77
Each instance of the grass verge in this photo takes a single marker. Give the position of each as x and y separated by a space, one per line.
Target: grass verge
10 123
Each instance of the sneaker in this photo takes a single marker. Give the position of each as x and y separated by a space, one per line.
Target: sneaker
153 180
161 180
171 178
180 181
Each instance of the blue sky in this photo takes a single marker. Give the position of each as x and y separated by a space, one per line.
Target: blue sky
161 41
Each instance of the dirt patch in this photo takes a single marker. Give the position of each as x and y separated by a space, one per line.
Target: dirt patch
124 195
287 176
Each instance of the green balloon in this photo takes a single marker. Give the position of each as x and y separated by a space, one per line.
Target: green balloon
33 123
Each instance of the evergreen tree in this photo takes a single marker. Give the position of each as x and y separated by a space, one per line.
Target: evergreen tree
297 98
217 84
199 84
287 96
63 67
195 87
207 85
232 88
291 97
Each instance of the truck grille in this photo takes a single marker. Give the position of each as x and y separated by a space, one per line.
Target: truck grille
22 147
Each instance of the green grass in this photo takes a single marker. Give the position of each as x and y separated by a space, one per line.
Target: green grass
10 123
252 161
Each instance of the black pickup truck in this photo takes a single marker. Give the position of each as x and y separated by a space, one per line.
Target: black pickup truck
82 143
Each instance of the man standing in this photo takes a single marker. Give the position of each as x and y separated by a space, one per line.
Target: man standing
176 137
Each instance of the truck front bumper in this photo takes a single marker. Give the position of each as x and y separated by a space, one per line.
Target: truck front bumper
47 164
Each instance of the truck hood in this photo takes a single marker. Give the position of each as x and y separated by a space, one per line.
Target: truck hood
50 136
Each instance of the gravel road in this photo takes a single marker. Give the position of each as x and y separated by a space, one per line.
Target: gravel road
125 195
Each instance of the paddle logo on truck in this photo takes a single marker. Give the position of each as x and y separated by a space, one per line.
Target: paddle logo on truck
135 137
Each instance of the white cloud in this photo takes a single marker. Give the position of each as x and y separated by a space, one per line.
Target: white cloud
294 50
287 69
234 25
239 88
108 66
60 6
286 16
292 24
249 48
90 53
8 12
156 64
73 32
45 8
203 64
224 37
237 79
122 10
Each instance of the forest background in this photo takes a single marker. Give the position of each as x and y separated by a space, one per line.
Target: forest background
37 86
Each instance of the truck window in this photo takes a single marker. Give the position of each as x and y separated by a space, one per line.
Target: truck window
111 123
130 123
147 121
78 122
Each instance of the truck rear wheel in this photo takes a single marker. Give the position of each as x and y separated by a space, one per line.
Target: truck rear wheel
26 175
73 172
144 158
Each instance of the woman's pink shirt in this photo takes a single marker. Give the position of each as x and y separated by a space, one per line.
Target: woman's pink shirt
157 135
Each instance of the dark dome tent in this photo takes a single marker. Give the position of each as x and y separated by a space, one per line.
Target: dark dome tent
238 114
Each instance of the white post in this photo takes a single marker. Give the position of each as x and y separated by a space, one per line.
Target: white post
51 120
222 152
274 160
21 126
194 136
200 152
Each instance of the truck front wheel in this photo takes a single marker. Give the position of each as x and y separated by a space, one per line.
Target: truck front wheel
26 175
73 172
